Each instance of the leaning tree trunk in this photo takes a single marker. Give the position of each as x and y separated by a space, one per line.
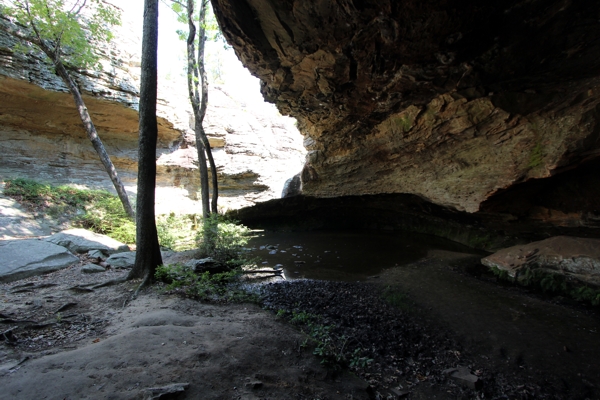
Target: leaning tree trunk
203 105
196 106
93 134
148 255
196 73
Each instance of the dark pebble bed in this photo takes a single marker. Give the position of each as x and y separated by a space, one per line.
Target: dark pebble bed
392 344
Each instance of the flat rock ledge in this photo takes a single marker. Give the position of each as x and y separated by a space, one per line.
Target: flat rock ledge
81 241
21 259
574 257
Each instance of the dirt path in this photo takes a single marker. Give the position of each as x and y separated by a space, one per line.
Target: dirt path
99 350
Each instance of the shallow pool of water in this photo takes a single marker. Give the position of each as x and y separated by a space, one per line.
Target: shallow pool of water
342 255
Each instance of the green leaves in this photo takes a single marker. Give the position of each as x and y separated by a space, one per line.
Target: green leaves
63 30
211 27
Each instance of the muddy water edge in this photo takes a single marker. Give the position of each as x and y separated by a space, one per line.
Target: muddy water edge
522 344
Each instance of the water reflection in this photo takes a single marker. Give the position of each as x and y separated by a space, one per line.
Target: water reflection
341 255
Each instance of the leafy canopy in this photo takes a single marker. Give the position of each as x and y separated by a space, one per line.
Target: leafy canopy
63 28
211 27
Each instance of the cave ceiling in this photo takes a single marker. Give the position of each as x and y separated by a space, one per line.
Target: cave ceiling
453 101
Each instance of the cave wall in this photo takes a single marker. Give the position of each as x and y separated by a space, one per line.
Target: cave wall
454 101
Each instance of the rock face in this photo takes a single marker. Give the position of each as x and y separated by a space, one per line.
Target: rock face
256 150
40 130
41 135
453 101
576 258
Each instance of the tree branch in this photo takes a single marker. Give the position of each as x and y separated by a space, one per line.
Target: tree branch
80 8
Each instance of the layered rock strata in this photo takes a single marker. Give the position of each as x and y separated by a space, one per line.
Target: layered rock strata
41 135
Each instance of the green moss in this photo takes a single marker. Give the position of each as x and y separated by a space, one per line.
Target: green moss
551 282
536 157
402 123
501 274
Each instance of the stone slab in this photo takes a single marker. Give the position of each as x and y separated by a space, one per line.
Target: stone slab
122 260
92 269
21 259
81 241
566 254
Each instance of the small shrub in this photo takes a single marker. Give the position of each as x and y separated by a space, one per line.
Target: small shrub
220 287
176 232
223 240
332 349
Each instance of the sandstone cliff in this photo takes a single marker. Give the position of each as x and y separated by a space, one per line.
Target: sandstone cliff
41 136
476 106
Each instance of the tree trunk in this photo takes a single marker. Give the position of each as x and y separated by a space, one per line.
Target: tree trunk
192 80
148 255
204 104
196 74
93 134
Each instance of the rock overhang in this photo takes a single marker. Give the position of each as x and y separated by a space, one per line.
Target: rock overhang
453 101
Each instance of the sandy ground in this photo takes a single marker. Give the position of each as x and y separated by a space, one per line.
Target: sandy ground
97 349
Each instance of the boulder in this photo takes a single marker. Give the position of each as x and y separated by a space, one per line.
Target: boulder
122 260
126 260
81 241
572 256
92 268
96 254
21 259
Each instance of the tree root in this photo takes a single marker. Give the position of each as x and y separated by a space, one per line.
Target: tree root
109 283
145 282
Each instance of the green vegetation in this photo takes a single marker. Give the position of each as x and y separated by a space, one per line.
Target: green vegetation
223 240
403 123
218 287
536 157
550 282
96 210
62 27
225 247
334 351
101 212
